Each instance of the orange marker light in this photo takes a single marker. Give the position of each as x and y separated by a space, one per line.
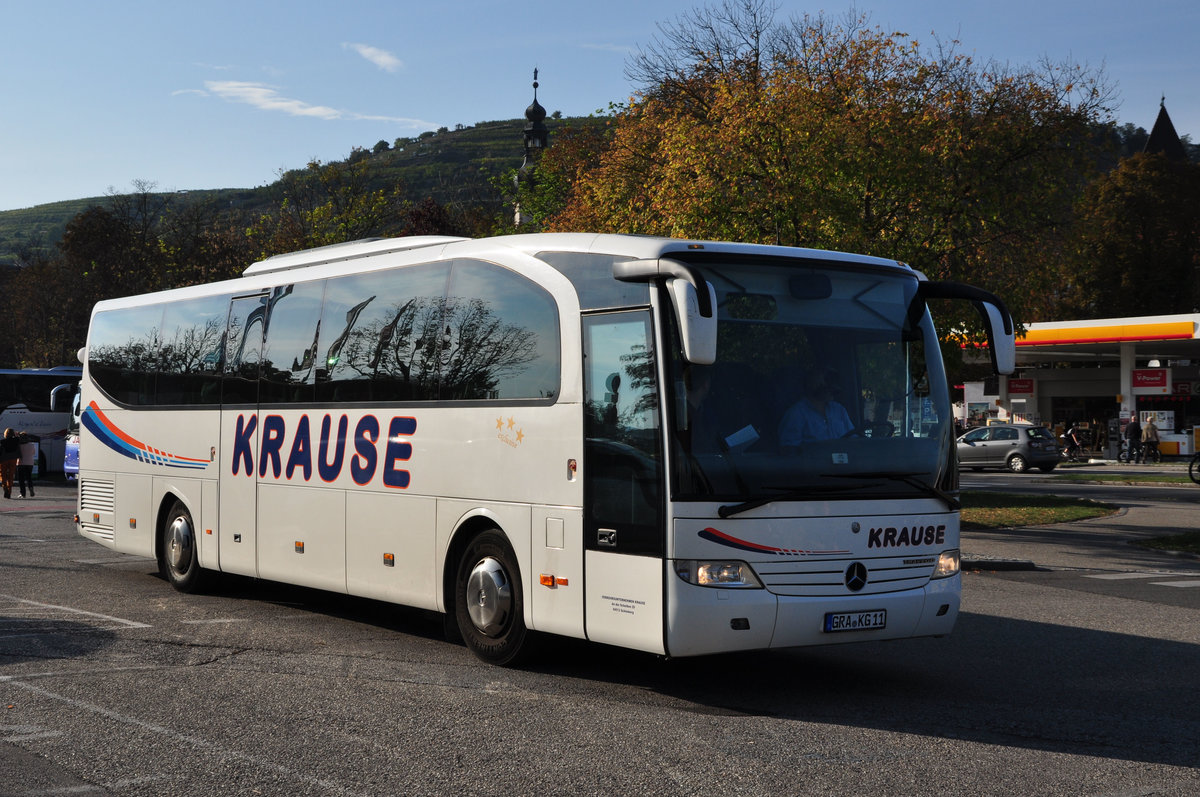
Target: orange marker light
547 581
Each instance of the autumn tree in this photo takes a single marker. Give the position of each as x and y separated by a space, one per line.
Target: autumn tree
326 203
838 135
1135 248
329 203
546 189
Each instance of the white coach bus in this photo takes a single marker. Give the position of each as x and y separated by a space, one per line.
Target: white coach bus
674 446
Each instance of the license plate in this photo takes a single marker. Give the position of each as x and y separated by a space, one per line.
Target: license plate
856 621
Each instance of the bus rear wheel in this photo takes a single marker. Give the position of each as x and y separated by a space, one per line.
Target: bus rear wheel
488 602
178 561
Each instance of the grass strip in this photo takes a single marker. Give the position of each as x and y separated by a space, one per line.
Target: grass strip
1123 478
1188 542
987 510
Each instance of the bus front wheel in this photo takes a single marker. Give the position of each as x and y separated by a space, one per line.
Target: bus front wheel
178 561
488 601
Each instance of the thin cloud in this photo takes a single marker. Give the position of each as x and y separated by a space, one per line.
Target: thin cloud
268 98
381 58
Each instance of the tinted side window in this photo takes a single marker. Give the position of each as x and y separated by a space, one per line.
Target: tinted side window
501 336
290 357
1004 434
591 274
976 436
123 352
190 359
381 335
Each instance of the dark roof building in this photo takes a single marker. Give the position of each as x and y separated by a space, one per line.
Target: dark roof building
1163 137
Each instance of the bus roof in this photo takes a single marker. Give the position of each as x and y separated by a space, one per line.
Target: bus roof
381 253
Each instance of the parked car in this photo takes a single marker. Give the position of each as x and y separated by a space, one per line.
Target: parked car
1015 446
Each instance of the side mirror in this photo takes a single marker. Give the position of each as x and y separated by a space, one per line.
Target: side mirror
695 302
61 398
997 322
699 333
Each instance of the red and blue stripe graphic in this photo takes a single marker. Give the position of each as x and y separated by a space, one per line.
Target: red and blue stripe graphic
720 537
111 435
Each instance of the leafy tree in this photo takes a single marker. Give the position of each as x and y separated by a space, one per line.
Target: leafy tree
327 204
1135 247
546 189
842 136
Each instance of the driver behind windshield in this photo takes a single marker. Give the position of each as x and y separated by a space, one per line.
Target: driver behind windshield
817 416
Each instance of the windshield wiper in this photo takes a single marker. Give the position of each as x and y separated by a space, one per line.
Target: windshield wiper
908 478
789 494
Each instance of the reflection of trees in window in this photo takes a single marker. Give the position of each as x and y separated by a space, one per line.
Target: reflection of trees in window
394 336
125 370
189 363
386 355
639 367
480 350
193 349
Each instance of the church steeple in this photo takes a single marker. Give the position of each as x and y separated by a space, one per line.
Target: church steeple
1163 137
537 136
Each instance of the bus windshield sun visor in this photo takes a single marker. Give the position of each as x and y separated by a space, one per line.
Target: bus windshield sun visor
997 321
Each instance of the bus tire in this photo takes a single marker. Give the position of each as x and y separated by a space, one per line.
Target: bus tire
488 601
177 560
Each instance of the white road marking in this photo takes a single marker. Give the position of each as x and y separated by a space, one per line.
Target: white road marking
1176 583
50 608
190 741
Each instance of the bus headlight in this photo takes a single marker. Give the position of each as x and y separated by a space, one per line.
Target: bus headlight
947 564
704 573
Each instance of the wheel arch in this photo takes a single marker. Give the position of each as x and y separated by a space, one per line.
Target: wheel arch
468 528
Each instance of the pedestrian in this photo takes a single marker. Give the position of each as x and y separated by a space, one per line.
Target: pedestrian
10 453
1133 437
25 464
1149 439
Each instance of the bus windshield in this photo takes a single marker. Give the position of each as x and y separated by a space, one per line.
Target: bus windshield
823 388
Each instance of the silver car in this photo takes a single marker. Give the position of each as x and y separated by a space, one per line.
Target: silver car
1015 446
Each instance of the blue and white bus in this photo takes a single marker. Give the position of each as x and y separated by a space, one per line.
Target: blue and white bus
595 436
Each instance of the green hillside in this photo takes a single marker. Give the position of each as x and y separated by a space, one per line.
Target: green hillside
452 166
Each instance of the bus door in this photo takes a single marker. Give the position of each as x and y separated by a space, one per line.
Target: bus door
624 536
239 435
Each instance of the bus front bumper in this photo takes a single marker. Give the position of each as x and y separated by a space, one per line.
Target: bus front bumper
705 620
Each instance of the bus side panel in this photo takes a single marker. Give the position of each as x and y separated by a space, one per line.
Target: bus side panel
379 524
625 600
556 582
302 536
133 514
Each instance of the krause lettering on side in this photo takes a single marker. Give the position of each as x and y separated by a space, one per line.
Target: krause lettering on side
373 455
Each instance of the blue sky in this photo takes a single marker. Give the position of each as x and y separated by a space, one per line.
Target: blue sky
219 94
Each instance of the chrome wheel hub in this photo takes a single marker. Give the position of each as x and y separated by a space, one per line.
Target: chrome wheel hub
489 597
179 545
